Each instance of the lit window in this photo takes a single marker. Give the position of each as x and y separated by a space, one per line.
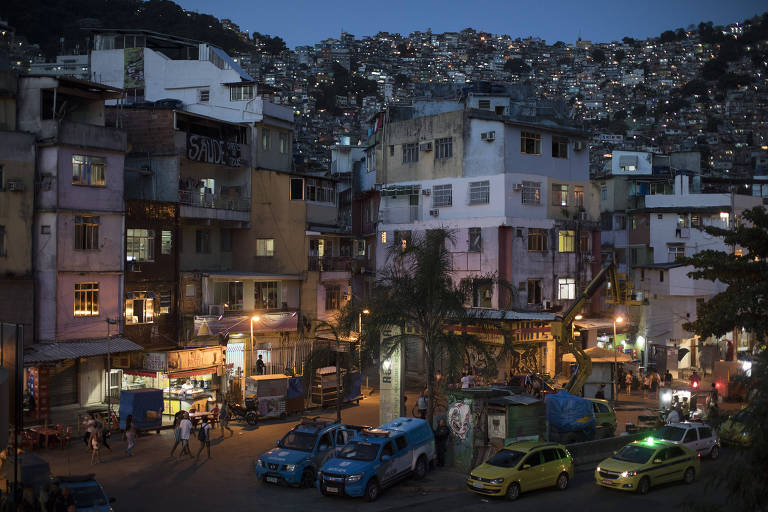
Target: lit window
86 299
265 247
241 92
165 302
531 192
566 240
566 288
578 196
166 242
559 195
537 240
139 308
87 233
228 294
332 298
89 170
383 237
140 245
530 143
402 238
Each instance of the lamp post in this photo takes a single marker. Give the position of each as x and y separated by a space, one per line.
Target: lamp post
616 320
360 338
110 321
248 358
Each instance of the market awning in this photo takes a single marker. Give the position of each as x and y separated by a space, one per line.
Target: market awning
140 373
192 373
61 351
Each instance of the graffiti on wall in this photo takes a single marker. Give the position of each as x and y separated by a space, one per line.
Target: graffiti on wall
213 151
460 419
133 59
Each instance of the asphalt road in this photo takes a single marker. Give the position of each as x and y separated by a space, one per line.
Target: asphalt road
154 481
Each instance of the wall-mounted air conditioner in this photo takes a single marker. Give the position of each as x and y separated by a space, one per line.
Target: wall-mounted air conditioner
488 136
427 146
547 305
426 192
15 185
435 212
517 187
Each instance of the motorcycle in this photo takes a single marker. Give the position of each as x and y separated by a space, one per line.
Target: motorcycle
248 412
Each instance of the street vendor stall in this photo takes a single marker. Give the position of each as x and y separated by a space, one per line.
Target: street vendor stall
270 392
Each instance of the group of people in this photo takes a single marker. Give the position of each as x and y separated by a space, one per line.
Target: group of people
98 433
183 428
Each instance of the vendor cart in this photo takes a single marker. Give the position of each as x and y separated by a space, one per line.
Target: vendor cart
146 407
269 392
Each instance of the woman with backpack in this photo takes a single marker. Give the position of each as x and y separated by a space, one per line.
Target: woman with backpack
204 436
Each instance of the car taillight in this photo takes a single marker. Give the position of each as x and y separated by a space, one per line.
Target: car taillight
698 454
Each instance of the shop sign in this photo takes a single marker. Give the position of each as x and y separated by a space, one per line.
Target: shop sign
154 361
213 151
195 358
121 361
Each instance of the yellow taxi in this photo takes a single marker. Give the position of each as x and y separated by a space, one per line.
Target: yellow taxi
735 430
642 464
522 467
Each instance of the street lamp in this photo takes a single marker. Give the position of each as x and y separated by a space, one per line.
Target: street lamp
616 320
577 317
360 338
254 318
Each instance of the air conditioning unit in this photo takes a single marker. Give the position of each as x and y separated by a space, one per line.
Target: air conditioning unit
15 185
579 145
426 192
215 309
517 187
547 305
488 136
427 146
435 212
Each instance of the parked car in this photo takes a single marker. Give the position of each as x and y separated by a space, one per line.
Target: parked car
302 451
378 458
522 467
735 430
696 436
605 416
642 464
88 494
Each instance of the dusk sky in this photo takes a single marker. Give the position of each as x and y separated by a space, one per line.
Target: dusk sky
301 22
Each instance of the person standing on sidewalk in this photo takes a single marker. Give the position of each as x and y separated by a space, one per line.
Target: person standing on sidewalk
130 435
95 442
441 441
204 436
185 428
628 382
224 419
667 379
646 385
177 432
421 403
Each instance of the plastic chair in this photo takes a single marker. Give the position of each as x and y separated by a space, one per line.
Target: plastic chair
65 437
29 440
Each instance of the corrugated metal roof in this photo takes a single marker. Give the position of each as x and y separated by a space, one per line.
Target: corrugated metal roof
48 352
514 399
495 314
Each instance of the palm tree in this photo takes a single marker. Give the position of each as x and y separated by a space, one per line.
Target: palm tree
416 289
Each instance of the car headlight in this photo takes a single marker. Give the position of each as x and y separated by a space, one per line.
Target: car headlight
354 478
625 474
744 433
290 468
497 481
260 463
598 468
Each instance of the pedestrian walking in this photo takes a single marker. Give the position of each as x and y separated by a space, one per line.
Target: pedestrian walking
646 385
224 417
441 441
130 435
90 428
421 403
95 442
600 392
204 436
667 379
185 428
176 430
655 383
628 382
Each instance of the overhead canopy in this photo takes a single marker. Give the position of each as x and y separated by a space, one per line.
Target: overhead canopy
600 355
49 352
240 324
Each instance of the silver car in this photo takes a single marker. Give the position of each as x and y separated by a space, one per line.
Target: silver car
696 436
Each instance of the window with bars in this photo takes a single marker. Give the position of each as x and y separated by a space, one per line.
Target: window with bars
537 240
530 143
475 241
479 192
531 192
484 104
140 245
228 294
332 298
284 143
139 308
266 295
566 288
559 147
534 291
165 302
86 299
89 170
578 196
202 241
265 247
87 233
166 242
559 195
410 153
566 240
675 252
204 95
241 92
443 148
479 292
442 195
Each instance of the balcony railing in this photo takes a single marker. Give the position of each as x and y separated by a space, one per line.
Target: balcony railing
330 264
192 198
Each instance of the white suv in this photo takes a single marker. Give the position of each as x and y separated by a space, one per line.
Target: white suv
696 436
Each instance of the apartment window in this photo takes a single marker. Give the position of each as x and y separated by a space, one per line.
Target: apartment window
225 240
537 240
265 135
204 95
682 221
480 292
661 276
265 295
559 147
633 221
484 104
696 221
241 92
442 195
202 241
332 298
359 247
140 245
265 247
402 238
3 245
139 308
410 153
479 192
89 170
578 196
585 240
443 148
166 242
86 299
603 193
559 195
566 288
530 143
320 191
619 222
383 237
189 291
165 302
297 189
86 233
228 294
475 242
566 240
283 143
534 291
531 192
675 252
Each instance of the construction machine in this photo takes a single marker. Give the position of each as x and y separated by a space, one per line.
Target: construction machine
561 328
